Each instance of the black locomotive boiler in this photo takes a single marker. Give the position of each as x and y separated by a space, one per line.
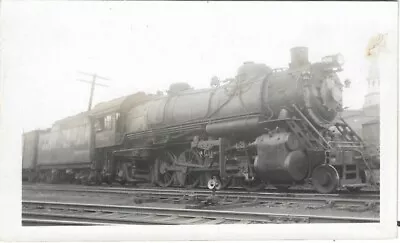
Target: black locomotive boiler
265 126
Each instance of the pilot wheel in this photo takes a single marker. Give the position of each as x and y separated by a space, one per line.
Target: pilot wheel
325 178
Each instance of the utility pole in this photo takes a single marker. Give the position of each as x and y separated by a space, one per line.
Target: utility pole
92 138
92 86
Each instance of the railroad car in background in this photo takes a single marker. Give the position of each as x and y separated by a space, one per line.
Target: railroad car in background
264 126
29 154
371 136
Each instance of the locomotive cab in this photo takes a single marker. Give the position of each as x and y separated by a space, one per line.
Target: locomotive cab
106 127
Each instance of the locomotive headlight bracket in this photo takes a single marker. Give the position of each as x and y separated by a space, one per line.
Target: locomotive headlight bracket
334 61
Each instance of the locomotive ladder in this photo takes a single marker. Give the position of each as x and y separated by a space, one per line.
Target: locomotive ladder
313 138
350 139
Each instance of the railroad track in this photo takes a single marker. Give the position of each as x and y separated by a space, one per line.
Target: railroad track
363 195
268 189
225 199
56 213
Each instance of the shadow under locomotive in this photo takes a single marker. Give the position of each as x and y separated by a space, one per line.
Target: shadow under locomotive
274 126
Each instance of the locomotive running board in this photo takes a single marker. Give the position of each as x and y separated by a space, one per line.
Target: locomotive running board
300 129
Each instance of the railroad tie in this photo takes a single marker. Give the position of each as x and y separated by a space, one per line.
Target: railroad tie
141 217
215 221
192 220
110 215
170 218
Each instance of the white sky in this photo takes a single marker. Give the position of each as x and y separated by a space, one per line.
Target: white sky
145 46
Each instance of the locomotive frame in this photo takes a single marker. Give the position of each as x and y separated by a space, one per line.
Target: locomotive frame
284 142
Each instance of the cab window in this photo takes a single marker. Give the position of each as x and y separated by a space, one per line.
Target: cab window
99 124
104 123
108 122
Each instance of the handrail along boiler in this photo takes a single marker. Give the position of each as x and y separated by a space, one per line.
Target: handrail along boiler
275 126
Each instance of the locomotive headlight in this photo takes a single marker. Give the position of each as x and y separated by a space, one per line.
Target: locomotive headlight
340 59
328 59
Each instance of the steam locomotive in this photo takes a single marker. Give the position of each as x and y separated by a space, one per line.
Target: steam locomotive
265 126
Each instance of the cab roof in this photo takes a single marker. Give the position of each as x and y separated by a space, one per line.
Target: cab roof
119 104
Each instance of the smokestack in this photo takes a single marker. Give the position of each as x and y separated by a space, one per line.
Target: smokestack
299 57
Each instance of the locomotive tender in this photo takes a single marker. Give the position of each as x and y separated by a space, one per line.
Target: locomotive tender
265 126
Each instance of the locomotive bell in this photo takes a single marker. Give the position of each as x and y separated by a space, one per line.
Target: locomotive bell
215 82
250 70
178 87
299 57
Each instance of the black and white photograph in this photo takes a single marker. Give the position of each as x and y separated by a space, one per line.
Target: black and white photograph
203 120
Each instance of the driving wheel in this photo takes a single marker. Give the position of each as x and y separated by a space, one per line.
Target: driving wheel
187 178
164 177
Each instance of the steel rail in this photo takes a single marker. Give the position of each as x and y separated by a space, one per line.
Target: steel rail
116 214
32 221
240 190
364 195
266 197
